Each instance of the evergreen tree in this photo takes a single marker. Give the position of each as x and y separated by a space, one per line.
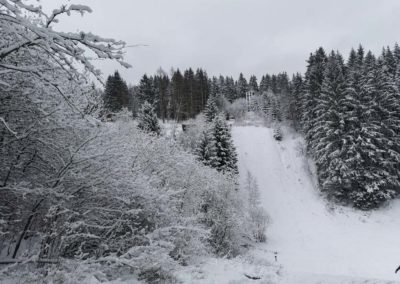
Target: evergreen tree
147 119
312 88
329 129
274 84
215 90
264 83
161 83
294 110
253 85
116 95
278 133
389 62
276 110
177 93
372 157
230 92
206 150
242 86
396 53
226 157
202 90
211 110
147 91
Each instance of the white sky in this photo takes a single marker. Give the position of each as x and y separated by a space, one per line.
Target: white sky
232 36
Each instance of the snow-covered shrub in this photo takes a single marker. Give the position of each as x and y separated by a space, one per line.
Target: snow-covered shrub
256 104
277 132
189 138
237 109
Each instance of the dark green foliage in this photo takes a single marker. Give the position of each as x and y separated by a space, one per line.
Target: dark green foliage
226 157
265 83
147 119
253 85
206 150
313 82
211 110
351 118
116 95
147 90
294 108
242 86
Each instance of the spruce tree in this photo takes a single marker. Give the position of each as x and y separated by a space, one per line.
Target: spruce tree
206 150
116 94
147 90
253 85
225 152
329 129
312 89
294 109
147 119
372 157
242 86
211 110
264 83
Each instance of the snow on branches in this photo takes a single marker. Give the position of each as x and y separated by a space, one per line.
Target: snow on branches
27 29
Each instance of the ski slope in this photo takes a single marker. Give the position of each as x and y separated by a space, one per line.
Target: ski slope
315 243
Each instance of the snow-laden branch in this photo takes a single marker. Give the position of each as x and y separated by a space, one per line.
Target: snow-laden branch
26 28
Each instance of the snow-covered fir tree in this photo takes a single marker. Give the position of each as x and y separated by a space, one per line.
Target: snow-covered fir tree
226 156
147 119
253 85
329 128
116 95
294 108
312 88
211 110
242 86
206 149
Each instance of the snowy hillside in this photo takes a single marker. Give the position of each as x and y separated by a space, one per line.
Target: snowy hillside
315 243
310 237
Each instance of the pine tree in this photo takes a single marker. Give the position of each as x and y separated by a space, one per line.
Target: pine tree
116 95
211 110
389 62
177 93
276 111
226 157
296 90
312 89
372 157
147 119
265 83
230 92
242 86
147 91
253 85
206 150
329 129
274 84
214 89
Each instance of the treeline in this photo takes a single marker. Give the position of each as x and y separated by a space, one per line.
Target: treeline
350 115
183 95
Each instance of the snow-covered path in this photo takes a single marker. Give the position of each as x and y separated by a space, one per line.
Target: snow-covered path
315 244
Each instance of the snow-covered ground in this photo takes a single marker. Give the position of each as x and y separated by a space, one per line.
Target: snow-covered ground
315 242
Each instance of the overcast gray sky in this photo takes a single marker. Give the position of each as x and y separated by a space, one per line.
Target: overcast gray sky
232 36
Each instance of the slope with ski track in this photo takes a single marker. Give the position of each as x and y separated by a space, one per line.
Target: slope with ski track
315 242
